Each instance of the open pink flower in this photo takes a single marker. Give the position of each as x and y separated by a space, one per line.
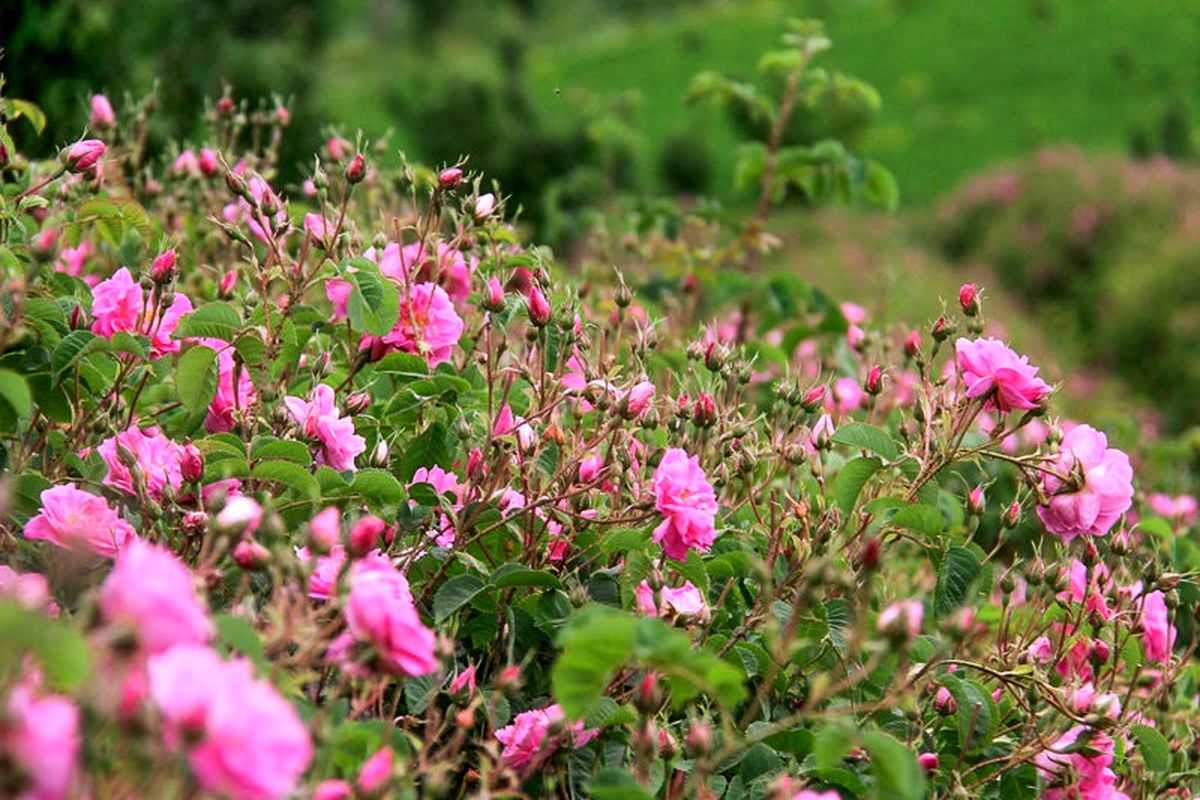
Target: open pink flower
906 615
41 739
235 391
154 593
1182 508
379 610
991 370
1158 634
686 602
1098 491
322 582
160 330
527 740
1075 772
428 324
685 498
443 482
117 304
157 458
319 418
79 520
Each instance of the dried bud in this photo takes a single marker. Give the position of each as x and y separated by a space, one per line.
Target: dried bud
237 187
356 170
450 178
194 522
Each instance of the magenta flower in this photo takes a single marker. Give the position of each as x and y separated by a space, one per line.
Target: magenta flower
84 154
1158 634
443 482
527 740
40 738
379 610
157 459
644 599
154 592
117 304
322 582
1098 488
992 371
78 520
319 419
686 500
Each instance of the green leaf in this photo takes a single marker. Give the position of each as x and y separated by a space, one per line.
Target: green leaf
1153 746
215 320
403 366
197 377
268 447
377 486
977 714
288 474
61 651
73 347
239 636
867 437
880 188
840 618
424 493
920 518
595 642
830 745
612 783
427 450
507 576
957 575
15 391
851 479
454 594
897 774
374 302
24 108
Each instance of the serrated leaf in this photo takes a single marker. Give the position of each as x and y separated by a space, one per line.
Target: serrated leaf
268 447
427 450
374 302
957 575
867 437
507 576
73 347
595 641
976 712
288 474
378 486
215 320
896 773
921 518
197 377
15 392
850 480
1153 746
454 594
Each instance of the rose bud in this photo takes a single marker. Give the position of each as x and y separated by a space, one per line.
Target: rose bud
450 178
250 555
225 106
539 307
928 761
704 413
968 298
912 348
874 382
163 269
209 164
79 319
102 112
325 530
241 514
699 739
83 155
191 463
1011 515
942 329
493 297
976 501
376 772
195 522
356 170
812 398
485 204
358 402
228 280
364 536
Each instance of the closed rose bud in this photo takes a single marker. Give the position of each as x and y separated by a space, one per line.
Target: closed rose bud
102 112
250 555
874 382
714 357
191 463
1120 543
509 679
539 307
228 280
976 501
928 761
83 155
358 402
356 170
241 514
237 186
493 296
450 178
813 398
379 456
704 412
856 337
364 536
1011 515
485 204
225 106
209 163
376 772
283 116
163 269
942 329
79 319
475 463
969 300
699 739
325 530
1100 650
194 523
912 348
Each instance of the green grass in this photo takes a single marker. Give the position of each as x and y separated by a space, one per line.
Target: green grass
965 83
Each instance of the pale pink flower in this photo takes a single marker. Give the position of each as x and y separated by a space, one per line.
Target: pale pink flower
322 582
443 483
1182 508
158 459
1158 634
160 330
117 304
1041 650
102 112
644 597
379 609
30 590
464 682
154 592
1105 493
41 739
685 498
317 227
527 740
233 396
182 683
905 615
78 520
485 204
319 419
637 401
991 370
854 313
590 466
687 602
71 260
428 324
338 291
845 396
1086 699
240 515
186 163
376 771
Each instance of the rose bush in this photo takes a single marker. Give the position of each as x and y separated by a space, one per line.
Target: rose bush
295 507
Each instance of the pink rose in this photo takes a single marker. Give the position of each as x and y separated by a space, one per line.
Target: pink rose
1095 487
79 520
992 371
319 419
157 458
1077 772
84 154
102 112
1158 634
687 502
41 739
376 772
117 304
644 598
379 609
30 590
527 740
905 615
428 324
233 397
687 602
154 592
